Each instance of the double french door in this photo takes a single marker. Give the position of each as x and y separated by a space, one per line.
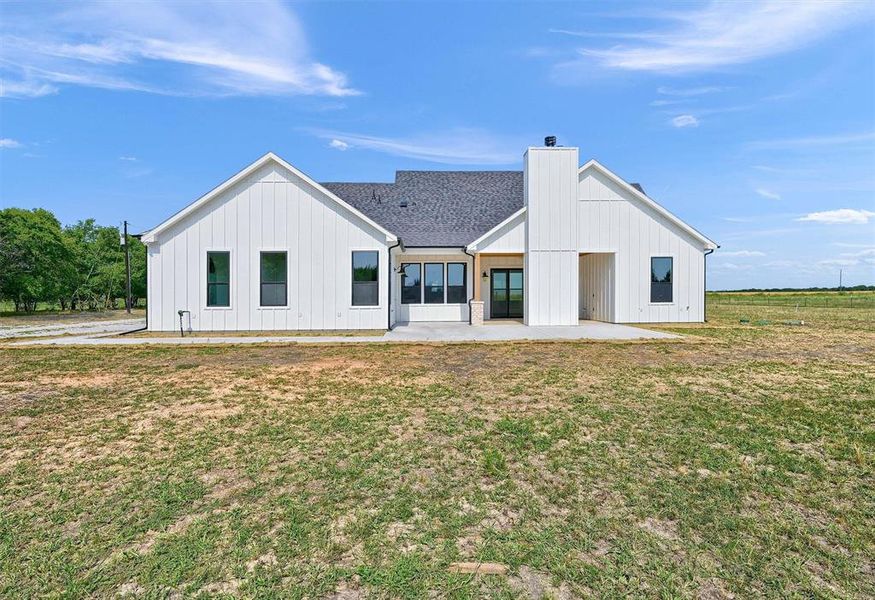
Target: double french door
506 294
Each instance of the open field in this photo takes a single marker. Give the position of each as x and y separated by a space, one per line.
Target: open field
855 299
738 460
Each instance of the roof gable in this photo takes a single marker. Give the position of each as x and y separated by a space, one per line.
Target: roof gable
637 193
152 235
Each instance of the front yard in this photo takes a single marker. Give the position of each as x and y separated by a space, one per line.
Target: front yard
737 461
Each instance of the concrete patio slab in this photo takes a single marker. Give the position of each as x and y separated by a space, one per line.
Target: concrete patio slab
403 333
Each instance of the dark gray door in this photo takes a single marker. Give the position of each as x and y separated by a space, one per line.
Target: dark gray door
506 296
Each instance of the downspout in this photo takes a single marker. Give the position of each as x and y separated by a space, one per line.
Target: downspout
705 284
474 280
389 281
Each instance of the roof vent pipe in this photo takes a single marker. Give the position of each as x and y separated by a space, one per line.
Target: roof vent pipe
550 141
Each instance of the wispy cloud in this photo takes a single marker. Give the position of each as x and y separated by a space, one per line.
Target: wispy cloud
728 33
24 88
203 49
9 143
742 253
687 92
128 158
460 146
840 216
768 194
672 102
684 121
841 139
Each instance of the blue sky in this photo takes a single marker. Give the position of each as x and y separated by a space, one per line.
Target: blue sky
754 122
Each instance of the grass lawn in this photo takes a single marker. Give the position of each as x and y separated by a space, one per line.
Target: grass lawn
736 461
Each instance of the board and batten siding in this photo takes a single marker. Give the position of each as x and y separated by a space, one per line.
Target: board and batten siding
612 220
508 238
271 210
597 289
551 259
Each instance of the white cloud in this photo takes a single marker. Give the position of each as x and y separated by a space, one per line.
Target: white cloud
9 143
813 141
685 121
767 194
203 49
841 215
338 144
742 253
728 33
128 158
460 146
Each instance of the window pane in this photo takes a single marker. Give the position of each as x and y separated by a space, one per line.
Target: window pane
434 283
365 278
218 278
273 267
218 294
365 294
457 288
411 283
219 267
456 273
273 294
660 269
499 279
364 266
516 280
660 279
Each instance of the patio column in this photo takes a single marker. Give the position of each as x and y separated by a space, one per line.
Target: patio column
477 302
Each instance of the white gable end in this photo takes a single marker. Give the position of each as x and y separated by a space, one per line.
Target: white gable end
272 209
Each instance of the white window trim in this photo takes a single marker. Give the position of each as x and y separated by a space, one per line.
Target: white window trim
204 274
674 290
379 305
257 270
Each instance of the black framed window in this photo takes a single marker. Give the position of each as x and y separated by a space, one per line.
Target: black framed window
661 279
411 283
274 273
457 288
434 283
365 278
219 278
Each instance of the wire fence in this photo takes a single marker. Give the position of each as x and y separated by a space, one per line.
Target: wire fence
837 300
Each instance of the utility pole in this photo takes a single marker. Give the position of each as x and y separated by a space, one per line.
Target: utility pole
127 270
840 279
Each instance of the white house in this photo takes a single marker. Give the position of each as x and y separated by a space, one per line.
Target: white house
271 249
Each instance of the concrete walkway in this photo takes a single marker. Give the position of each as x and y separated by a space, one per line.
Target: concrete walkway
408 333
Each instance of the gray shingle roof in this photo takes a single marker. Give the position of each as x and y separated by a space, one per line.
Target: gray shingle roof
444 208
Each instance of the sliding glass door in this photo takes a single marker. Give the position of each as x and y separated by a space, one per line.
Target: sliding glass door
506 297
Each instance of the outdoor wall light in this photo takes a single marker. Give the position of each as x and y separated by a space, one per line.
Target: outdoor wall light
485 276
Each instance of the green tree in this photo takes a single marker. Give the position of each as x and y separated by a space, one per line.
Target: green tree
34 257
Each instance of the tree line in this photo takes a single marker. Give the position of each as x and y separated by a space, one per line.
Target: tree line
76 267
